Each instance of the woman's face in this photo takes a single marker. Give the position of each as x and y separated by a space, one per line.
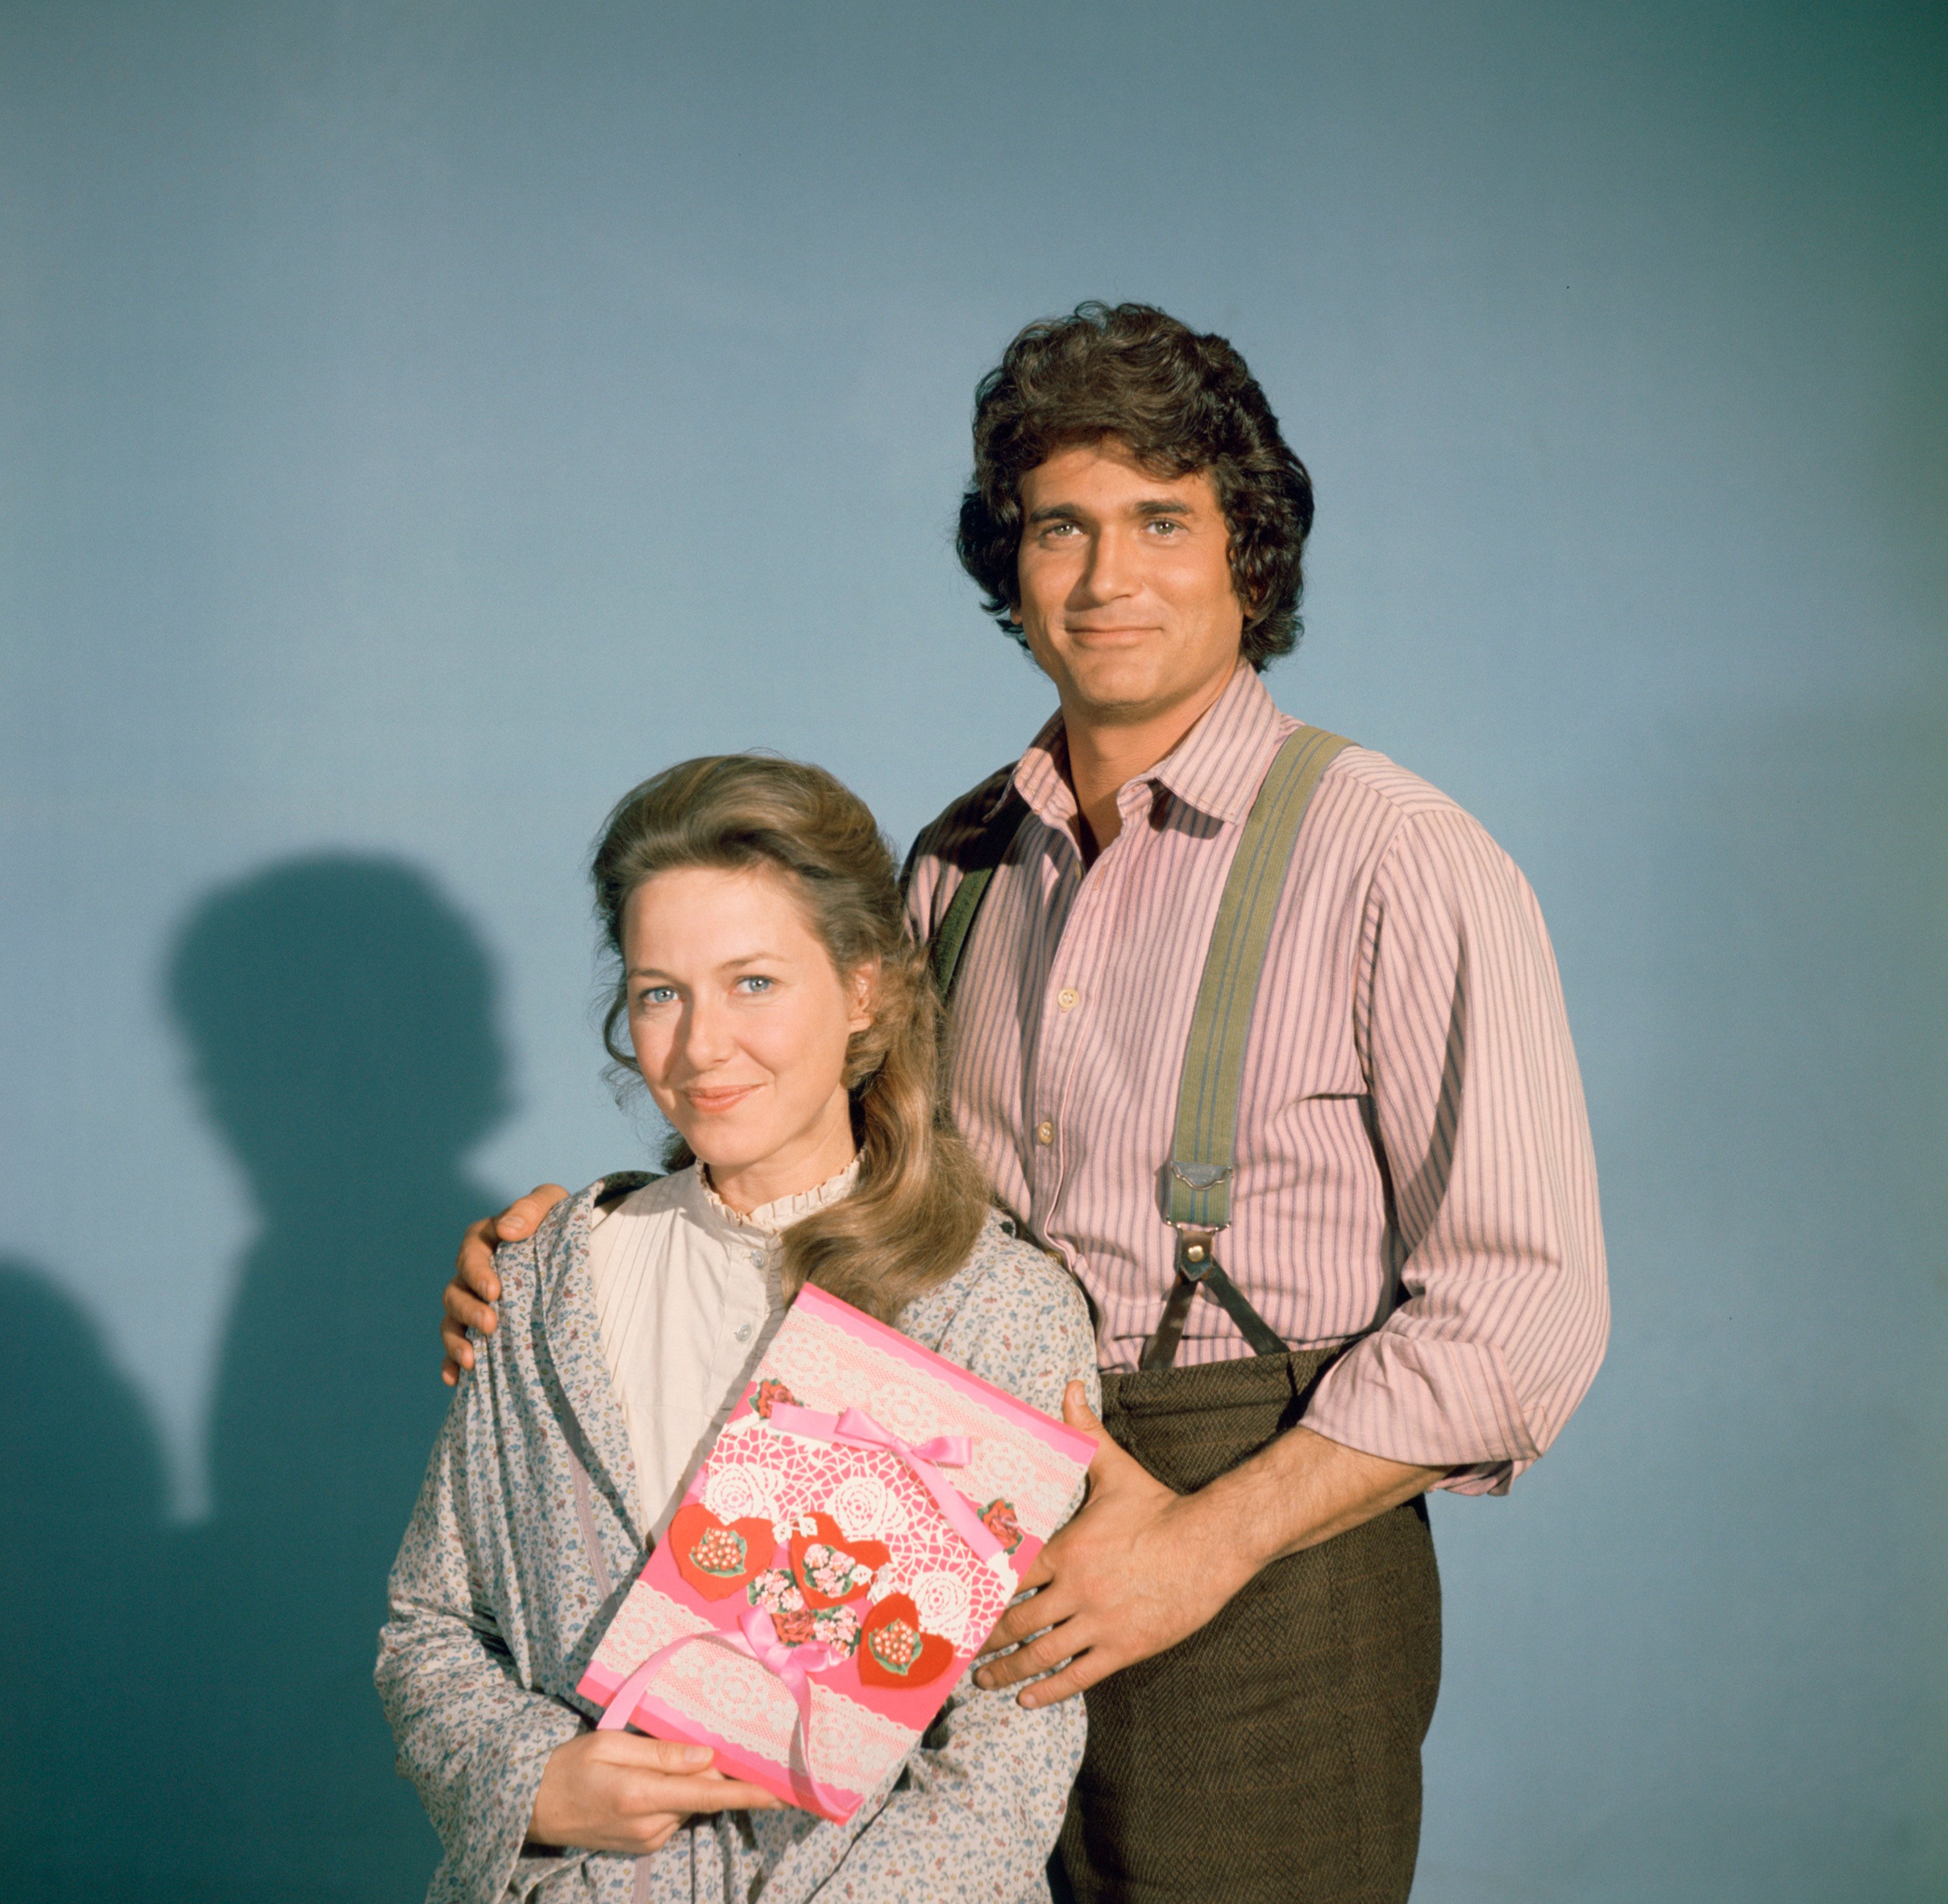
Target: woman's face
740 1023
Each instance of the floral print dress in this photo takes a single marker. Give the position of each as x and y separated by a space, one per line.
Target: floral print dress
525 1534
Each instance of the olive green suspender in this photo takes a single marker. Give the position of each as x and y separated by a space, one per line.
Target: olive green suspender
1207 1099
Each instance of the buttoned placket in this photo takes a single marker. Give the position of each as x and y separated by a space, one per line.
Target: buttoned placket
1092 893
747 1303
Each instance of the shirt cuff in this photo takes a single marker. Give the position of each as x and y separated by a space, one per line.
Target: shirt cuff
1428 1403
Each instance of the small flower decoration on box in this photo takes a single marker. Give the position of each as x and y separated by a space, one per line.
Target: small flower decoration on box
998 1517
797 1624
830 1569
769 1394
894 1649
717 1557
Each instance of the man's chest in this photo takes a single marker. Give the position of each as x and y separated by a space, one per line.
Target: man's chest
1074 1004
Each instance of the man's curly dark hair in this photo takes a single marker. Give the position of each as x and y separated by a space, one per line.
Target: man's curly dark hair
1180 402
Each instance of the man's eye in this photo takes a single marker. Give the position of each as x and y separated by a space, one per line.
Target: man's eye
1164 526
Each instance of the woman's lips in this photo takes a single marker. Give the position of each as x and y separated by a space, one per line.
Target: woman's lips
723 1099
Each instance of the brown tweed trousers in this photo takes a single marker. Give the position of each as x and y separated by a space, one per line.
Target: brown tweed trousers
1274 1755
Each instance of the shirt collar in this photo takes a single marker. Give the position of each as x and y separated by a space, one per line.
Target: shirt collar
1215 768
764 1224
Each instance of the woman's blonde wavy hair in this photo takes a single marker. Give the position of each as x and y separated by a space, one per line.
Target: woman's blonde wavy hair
921 1199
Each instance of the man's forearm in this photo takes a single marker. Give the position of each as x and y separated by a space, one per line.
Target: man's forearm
1300 1490
1142 1567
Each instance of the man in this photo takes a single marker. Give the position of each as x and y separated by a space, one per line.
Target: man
1251 1605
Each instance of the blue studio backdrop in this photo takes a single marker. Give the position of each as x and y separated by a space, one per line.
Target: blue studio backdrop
419 421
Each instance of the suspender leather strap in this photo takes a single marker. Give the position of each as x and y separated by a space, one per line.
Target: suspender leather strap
949 939
1214 1060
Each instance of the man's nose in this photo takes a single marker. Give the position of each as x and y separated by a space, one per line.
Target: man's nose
1110 572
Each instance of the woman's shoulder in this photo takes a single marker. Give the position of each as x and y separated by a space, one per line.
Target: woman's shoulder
559 1245
1011 1314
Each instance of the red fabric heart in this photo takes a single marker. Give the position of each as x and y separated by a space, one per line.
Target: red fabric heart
929 1653
871 1555
691 1541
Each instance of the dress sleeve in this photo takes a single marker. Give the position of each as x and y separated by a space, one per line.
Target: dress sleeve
976 1809
471 1738
1479 1111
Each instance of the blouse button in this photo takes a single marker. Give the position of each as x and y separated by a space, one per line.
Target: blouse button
744 1331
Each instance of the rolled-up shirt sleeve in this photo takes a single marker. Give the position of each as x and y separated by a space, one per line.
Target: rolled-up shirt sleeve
1478 1110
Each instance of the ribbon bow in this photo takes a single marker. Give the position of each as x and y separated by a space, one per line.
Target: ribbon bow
756 1638
858 1429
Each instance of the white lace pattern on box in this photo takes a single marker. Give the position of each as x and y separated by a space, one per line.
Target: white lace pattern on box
646 1619
852 1747
830 1370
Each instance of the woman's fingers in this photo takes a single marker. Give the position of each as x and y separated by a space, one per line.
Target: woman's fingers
680 1776
675 1755
617 1791
711 1792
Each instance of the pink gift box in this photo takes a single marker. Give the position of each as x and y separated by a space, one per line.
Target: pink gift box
860 1524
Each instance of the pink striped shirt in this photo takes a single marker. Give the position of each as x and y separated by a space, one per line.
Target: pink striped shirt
1414 1162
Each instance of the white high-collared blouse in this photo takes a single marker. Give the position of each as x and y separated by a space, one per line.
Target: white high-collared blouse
687 1297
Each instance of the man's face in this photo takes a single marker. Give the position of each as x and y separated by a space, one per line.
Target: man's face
1125 584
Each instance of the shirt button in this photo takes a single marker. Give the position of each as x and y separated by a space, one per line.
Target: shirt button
1068 998
1044 1132
744 1331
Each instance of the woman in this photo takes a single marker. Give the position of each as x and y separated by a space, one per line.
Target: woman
783 1023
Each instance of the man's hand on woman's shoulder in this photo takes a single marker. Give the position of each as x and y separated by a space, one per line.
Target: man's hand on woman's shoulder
470 1297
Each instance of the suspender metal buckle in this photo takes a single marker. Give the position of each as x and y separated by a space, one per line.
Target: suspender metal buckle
1196 1258
1196 1252
1198 1267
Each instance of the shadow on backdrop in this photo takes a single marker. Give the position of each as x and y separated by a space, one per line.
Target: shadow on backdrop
340 1013
81 1479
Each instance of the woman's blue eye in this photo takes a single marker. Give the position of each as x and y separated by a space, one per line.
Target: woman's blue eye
756 984
657 995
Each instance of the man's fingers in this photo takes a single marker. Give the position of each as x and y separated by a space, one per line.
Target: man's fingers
523 1218
1077 1413
1025 1662
1014 1626
1077 1676
1017 1624
473 1267
1042 1573
464 1310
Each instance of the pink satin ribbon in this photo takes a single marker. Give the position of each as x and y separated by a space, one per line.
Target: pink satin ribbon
858 1429
756 1638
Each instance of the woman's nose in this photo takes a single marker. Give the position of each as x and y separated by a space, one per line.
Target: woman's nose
706 1035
